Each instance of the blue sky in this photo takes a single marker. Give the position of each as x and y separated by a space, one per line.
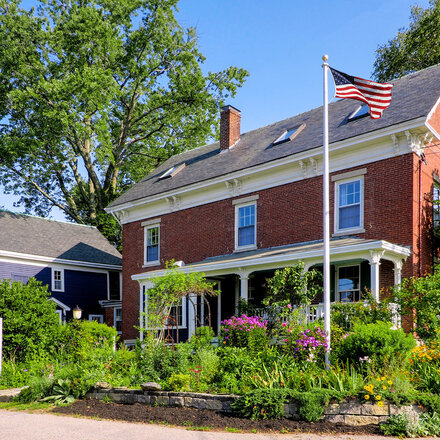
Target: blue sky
281 42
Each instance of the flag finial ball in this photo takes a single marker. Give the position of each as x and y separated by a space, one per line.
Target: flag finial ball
325 58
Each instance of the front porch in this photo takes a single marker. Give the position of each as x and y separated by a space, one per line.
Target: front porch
355 266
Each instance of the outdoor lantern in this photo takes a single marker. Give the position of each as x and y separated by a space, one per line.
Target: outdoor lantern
77 312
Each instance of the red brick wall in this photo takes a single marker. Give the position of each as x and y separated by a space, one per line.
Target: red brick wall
109 316
286 214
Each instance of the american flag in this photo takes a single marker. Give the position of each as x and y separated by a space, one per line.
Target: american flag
376 95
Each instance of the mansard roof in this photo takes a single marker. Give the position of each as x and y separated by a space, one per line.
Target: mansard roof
413 97
40 237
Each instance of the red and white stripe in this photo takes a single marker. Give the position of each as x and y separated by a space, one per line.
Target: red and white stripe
376 95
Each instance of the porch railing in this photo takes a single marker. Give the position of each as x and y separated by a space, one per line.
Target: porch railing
314 312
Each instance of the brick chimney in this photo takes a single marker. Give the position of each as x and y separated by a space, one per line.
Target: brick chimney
230 119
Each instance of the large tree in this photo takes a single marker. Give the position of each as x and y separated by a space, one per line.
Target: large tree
413 48
93 95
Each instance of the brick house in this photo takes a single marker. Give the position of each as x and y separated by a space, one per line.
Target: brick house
240 208
76 262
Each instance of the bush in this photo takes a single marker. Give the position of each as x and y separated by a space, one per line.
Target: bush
179 382
262 404
311 404
245 331
420 299
396 425
375 346
346 315
30 322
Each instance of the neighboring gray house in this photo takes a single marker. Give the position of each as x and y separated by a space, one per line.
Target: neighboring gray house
77 263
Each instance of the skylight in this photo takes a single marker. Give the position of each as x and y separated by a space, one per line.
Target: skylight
286 136
171 172
360 112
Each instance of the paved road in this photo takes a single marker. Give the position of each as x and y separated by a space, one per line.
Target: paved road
26 426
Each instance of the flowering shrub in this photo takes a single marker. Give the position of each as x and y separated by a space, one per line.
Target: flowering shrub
244 331
425 366
307 345
376 390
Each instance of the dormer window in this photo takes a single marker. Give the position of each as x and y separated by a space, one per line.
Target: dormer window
288 135
172 171
360 112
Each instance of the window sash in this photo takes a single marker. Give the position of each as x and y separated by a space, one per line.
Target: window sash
152 244
349 205
246 225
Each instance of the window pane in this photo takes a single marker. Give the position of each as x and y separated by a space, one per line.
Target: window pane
349 284
246 236
247 216
349 193
349 217
152 253
153 236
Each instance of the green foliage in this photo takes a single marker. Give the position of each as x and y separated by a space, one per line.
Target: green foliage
368 311
397 425
168 290
375 346
268 403
30 323
62 392
293 286
413 48
36 390
94 95
311 404
202 339
245 331
179 382
209 362
260 404
420 298
428 425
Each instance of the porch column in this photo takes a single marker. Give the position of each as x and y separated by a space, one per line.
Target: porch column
244 284
191 305
397 272
375 257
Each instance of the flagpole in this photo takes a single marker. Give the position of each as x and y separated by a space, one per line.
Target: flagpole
326 216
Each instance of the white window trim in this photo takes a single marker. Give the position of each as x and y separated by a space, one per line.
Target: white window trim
237 220
146 229
356 229
337 295
101 318
114 318
184 313
54 269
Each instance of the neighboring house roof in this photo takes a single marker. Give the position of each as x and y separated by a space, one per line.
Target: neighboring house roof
25 234
413 96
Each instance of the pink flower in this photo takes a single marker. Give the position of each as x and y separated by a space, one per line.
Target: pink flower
284 324
289 306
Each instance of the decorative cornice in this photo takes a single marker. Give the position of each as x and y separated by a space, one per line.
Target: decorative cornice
417 142
173 203
234 187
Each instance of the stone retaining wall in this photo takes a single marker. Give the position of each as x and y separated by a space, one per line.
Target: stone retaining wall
351 412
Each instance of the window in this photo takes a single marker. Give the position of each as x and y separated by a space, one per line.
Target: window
349 283
97 318
349 205
58 280
245 226
360 112
152 245
114 281
436 205
177 312
117 321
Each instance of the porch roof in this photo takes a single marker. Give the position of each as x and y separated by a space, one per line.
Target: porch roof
311 253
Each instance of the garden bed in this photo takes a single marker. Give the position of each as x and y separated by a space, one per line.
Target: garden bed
203 419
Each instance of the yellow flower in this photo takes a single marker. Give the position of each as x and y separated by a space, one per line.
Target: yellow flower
383 378
378 397
367 396
384 387
390 382
380 403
